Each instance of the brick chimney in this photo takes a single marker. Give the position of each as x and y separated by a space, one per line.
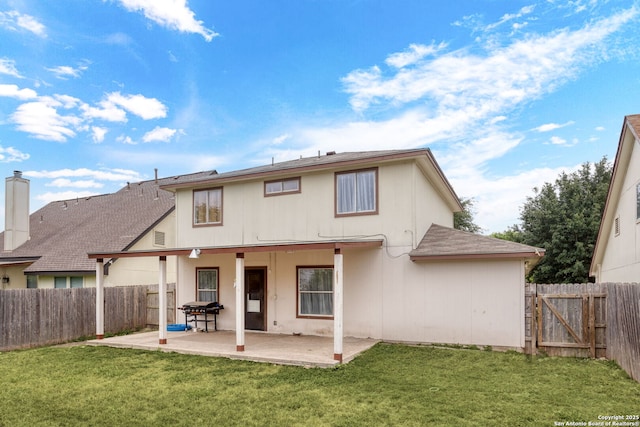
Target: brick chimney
16 218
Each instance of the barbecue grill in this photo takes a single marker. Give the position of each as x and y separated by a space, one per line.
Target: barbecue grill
202 308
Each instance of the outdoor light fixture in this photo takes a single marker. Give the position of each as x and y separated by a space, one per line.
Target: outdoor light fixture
195 254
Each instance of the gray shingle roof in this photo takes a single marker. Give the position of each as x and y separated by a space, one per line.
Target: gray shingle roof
441 242
320 161
634 121
63 232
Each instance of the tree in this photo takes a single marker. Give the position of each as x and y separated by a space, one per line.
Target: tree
464 220
564 218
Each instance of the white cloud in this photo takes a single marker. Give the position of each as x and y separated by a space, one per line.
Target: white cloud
502 78
526 10
119 175
65 182
41 120
41 117
63 195
552 126
159 134
173 14
121 39
280 139
414 53
11 154
600 128
125 140
15 20
65 71
13 91
141 106
8 67
556 140
196 162
98 133
104 111
496 198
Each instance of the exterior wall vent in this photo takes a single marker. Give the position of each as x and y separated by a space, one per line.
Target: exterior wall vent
159 238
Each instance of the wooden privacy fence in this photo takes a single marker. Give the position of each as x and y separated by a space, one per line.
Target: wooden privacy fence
623 327
34 317
585 320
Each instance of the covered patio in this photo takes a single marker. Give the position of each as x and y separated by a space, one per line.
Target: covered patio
335 345
281 349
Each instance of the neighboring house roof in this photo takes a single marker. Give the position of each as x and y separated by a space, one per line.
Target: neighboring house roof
628 135
63 232
444 243
332 160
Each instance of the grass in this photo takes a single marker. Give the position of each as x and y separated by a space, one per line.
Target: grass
388 385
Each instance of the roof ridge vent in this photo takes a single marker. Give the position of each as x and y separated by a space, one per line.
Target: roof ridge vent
331 153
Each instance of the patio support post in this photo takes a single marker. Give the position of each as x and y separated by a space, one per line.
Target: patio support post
162 299
99 298
239 302
338 309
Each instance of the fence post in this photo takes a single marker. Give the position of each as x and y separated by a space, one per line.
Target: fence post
99 298
534 319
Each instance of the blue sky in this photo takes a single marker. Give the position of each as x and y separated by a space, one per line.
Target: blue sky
507 94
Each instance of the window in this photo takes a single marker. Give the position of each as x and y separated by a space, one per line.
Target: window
637 202
59 282
32 282
283 186
207 207
207 284
356 192
315 291
76 281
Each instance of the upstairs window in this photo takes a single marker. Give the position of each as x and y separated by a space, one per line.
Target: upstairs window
207 207
357 193
282 186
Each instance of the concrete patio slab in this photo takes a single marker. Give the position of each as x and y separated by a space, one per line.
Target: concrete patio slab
300 350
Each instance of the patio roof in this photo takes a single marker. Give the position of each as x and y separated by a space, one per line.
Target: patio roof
272 247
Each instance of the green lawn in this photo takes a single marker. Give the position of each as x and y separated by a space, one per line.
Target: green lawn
388 385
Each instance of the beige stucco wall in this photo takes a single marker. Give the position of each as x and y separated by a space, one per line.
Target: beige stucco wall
407 206
386 296
621 260
17 279
46 281
144 270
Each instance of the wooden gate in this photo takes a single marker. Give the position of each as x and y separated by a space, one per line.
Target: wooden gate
567 319
153 305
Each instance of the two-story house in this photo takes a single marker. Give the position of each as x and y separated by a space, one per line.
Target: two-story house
616 256
344 244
